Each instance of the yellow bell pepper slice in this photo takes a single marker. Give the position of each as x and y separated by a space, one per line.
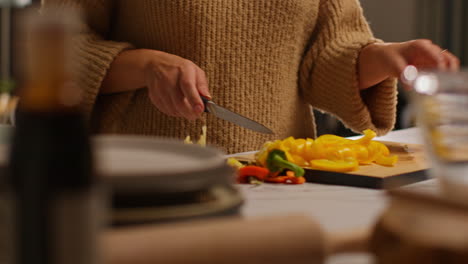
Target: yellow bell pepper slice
340 152
287 144
298 160
317 150
374 149
361 153
234 163
386 160
298 146
367 138
338 166
329 139
307 151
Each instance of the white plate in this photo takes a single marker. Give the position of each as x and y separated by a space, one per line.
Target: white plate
150 164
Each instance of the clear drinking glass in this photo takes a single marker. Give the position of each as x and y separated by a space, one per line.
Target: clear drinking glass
442 109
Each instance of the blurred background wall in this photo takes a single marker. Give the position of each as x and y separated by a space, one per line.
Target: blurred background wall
443 21
392 20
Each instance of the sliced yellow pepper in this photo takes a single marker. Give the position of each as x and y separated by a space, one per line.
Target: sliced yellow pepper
331 152
367 138
234 163
307 151
386 160
338 166
298 146
287 144
328 139
298 160
361 153
340 152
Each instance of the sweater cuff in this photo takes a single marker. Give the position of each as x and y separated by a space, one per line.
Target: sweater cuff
335 88
94 57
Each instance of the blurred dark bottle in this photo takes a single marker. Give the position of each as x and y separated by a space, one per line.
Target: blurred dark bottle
55 195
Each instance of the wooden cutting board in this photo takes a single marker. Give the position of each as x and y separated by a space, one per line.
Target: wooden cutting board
411 167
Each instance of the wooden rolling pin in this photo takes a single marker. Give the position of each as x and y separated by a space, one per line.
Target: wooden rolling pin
274 240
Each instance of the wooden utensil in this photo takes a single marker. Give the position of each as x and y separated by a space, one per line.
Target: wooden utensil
290 239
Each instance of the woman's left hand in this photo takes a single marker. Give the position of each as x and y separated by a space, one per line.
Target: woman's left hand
380 61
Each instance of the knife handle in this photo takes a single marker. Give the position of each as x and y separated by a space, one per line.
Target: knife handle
205 101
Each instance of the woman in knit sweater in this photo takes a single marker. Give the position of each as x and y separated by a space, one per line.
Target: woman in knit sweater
146 63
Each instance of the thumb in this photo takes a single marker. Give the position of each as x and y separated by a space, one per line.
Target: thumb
202 83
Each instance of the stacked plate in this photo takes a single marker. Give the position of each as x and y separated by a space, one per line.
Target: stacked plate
157 179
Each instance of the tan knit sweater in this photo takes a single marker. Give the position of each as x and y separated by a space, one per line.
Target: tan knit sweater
269 60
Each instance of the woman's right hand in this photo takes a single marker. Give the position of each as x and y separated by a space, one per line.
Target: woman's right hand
175 85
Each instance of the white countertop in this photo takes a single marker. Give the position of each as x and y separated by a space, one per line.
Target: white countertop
408 135
336 208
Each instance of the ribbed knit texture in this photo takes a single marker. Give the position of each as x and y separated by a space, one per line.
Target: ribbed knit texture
266 59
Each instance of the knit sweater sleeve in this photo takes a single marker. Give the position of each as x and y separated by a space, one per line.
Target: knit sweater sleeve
329 73
94 53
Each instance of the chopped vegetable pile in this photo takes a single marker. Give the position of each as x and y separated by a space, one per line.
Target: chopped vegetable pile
282 161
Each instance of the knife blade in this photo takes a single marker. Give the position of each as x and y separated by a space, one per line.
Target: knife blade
230 116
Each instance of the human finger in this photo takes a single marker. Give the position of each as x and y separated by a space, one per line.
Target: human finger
174 99
192 115
188 87
202 83
431 55
168 95
184 107
452 61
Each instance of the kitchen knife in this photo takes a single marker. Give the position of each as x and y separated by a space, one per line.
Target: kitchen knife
228 115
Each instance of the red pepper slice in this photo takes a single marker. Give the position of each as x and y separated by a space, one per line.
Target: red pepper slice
278 179
290 178
286 179
246 173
